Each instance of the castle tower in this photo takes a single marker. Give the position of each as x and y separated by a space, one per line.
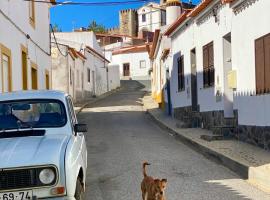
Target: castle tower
128 22
173 11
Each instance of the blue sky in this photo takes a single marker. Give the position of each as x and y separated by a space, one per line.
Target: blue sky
69 17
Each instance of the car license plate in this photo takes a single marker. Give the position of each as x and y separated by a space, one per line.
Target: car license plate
17 195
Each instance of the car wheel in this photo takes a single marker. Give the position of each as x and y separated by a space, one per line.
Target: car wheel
79 193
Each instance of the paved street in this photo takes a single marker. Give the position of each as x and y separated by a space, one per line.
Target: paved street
121 136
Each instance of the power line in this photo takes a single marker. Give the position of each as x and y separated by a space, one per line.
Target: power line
22 32
102 3
57 45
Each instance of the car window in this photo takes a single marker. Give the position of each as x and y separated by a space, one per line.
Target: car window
71 111
32 114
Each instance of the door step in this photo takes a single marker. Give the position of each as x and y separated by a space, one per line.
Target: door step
211 138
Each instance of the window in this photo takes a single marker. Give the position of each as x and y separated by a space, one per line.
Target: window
25 114
208 65
47 79
143 17
88 75
142 64
262 64
6 75
181 75
32 13
34 74
24 68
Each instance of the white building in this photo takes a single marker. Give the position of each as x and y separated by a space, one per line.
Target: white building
92 75
151 17
24 45
219 73
133 61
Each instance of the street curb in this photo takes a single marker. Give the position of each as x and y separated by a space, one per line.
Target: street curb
98 99
237 167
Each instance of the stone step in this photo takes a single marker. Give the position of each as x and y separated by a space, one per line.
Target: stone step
210 138
226 131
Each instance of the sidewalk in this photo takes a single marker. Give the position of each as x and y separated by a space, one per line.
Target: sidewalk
81 105
248 161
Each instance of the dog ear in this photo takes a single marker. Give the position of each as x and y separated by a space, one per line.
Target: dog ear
164 180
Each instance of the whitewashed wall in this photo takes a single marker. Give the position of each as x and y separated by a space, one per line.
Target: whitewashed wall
79 79
60 71
201 31
114 77
153 18
134 59
248 25
89 64
80 38
12 38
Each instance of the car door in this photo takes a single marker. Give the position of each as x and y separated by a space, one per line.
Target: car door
78 149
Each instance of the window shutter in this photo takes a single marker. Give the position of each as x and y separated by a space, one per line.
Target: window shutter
211 55
182 73
205 57
259 61
267 62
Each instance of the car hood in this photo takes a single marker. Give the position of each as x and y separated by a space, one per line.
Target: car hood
32 151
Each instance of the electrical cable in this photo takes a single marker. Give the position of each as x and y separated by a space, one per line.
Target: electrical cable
103 3
57 45
25 34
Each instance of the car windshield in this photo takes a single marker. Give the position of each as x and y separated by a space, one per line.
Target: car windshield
32 114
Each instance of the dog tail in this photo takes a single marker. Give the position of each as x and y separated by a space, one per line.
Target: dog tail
144 170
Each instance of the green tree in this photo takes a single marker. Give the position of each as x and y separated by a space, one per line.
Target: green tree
96 28
56 28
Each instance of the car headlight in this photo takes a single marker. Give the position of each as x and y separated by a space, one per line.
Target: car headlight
47 176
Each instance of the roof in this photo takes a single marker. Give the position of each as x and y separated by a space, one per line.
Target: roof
33 94
191 13
81 55
132 49
155 41
177 23
152 5
117 36
72 52
201 6
91 50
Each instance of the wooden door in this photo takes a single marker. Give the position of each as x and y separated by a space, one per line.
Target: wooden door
126 69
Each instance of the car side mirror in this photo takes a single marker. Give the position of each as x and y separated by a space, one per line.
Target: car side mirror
80 128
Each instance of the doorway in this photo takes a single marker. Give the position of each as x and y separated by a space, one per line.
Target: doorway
126 69
227 64
194 91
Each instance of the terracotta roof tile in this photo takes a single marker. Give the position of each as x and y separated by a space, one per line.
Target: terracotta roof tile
131 49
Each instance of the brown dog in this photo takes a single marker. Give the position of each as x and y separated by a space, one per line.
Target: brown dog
152 189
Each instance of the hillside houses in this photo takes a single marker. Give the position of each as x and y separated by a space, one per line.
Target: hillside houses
79 66
24 45
216 68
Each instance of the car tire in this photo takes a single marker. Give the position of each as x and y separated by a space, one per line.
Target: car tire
79 192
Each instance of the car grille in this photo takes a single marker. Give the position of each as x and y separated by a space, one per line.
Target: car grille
20 178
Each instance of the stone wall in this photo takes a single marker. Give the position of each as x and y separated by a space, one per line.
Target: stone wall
128 22
256 135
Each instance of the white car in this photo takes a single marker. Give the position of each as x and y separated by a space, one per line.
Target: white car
42 147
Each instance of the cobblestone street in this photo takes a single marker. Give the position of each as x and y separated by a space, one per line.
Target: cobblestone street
121 136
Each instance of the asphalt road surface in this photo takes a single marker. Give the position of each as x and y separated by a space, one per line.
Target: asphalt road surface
121 136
